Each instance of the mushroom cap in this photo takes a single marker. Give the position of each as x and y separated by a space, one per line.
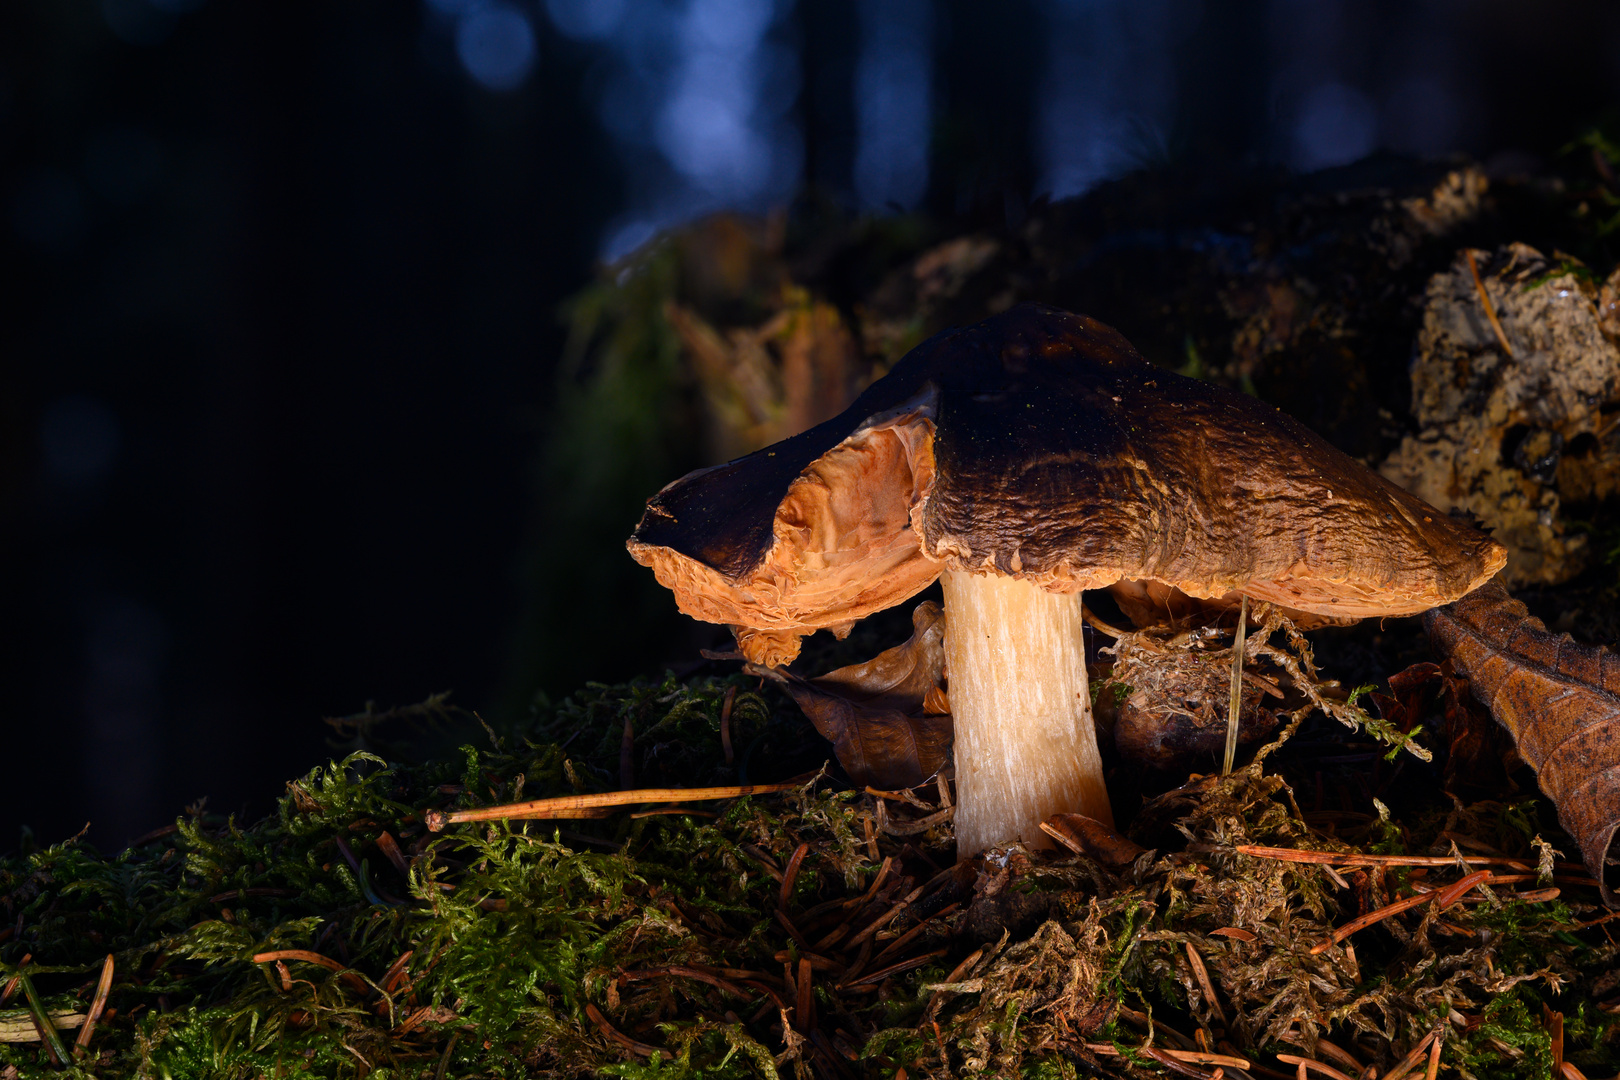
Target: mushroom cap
1038 444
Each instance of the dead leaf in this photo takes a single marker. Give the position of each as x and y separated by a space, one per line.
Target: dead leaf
1088 836
877 714
1559 699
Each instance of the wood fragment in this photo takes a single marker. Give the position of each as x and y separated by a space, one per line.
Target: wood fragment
1303 1063
1434 1060
97 1004
19 1026
560 807
1235 932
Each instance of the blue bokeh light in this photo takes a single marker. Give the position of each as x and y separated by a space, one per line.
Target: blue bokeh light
495 43
893 101
1336 124
586 20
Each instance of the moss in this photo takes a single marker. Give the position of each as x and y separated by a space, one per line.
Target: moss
562 948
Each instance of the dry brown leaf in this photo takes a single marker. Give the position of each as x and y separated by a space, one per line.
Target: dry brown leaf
1088 836
876 714
1560 700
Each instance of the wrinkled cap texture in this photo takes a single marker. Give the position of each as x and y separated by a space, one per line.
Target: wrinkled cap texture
1038 444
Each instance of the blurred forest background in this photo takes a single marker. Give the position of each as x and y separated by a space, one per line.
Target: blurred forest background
291 419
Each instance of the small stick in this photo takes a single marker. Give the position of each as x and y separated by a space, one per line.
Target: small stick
308 957
904 965
1434 1060
390 848
1173 1064
1352 858
1097 624
938 997
1322 1067
1236 705
103 988
1410 1061
1490 313
1196 1057
13 982
725 723
1337 1053
1201 973
539 809
627 756
43 1021
910 935
806 1001
613 1033
396 972
1369 919
792 874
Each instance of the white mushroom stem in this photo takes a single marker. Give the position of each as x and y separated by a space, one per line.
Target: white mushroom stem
1024 744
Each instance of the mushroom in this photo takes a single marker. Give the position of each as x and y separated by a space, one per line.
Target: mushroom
1023 460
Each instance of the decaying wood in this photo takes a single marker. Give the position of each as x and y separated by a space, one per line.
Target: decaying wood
1559 699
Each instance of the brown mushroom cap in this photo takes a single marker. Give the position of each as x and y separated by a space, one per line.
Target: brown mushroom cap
1038 444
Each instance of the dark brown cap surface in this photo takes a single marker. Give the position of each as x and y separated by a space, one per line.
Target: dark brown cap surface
1038 444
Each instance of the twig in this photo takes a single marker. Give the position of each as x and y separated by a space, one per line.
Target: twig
540 809
1236 705
99 1002
725 723
1311 1063
904 965
1202 975
1369 919
792 874
1097 624
43 1021
350 977
937 997
615 1034
1353 858
1490 313
1410 1061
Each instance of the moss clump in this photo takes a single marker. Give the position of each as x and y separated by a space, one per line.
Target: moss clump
820 932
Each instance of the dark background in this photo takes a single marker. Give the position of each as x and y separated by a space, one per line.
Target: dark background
284 278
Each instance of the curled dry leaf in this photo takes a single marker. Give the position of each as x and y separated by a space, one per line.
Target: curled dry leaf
1088 836
1559 699
881 716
